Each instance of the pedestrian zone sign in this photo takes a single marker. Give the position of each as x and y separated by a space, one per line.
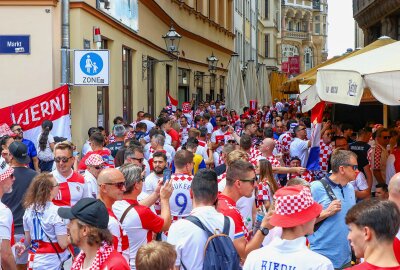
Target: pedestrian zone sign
91 67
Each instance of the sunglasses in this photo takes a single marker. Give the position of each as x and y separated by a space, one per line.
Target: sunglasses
119 185
252 181
355 167
222 125
98 167
387 137
63 159
56 185
138 159
232 141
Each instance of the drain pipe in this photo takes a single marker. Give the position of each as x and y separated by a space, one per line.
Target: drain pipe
65 41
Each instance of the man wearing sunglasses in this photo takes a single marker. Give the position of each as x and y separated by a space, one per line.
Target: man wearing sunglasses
111 184
377 157
72 184
330 239
95 165
19 137
240 182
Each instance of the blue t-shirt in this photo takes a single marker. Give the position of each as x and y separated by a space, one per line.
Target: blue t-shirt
31 151
330 239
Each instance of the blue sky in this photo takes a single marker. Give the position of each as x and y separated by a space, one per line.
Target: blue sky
340 26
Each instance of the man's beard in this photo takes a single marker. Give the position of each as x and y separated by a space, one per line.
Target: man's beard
158 171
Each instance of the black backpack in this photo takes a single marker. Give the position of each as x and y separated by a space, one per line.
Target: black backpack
219 251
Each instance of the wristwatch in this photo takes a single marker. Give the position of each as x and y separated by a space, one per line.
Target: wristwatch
264 231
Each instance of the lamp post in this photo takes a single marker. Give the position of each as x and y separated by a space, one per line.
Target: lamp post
172 39
212 63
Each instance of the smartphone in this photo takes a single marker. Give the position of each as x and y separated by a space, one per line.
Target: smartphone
166 174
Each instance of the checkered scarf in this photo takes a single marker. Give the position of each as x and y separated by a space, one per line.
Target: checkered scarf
101 256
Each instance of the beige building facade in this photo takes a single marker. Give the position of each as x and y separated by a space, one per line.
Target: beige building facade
141 70
304 35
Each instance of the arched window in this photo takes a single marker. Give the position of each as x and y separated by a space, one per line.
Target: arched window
308 58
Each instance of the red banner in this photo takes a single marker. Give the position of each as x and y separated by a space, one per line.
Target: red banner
285 67
294 65
32 112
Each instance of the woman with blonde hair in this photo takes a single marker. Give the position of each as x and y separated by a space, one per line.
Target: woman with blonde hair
44 229
267 184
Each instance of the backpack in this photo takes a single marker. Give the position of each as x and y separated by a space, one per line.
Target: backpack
219 251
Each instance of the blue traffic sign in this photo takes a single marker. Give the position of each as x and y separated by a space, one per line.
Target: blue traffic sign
91 64
12 44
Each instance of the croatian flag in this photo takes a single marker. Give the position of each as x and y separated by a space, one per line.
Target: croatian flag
30 114
316 117
172 102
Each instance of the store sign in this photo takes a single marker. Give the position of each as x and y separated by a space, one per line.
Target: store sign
294 65
15 44
91 67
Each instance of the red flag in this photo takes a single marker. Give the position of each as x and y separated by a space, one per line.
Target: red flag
172 102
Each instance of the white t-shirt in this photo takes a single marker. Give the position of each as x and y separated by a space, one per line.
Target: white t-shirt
49 221
91 184
189 240
46 154
299 148
148 123
245 207
210 128
139 224
86 148
360 183
286 254
6 221
71 190
390 170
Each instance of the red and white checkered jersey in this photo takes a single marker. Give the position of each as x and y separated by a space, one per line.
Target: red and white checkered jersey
139 224
6 223
278 147
71 189
272 159
324 154
285 139
254 152
377 157
180 201
120 239
227 207
306 176
264 192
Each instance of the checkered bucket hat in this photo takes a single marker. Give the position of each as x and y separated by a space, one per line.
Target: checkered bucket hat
94 160
294 206
5 170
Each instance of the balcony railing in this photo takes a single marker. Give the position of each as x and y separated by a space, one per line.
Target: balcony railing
360 5
297 35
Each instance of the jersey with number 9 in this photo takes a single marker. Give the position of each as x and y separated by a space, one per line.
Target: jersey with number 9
180 201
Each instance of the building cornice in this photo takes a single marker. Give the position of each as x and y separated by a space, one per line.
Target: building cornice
374 12
28 3
168 20
117 25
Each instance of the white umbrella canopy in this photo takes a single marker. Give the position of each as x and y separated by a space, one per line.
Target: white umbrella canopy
235 95
251 81
379 70
264 89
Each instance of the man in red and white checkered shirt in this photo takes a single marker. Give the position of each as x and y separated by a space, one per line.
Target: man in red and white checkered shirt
377 157
324 154
285 139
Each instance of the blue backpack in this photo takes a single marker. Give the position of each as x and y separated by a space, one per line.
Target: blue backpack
219 251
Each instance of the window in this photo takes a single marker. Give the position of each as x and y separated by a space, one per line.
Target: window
221 87
266 9
308 58
317 28
127 84
266 44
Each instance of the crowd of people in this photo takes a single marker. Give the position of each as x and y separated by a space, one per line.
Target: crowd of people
202 187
